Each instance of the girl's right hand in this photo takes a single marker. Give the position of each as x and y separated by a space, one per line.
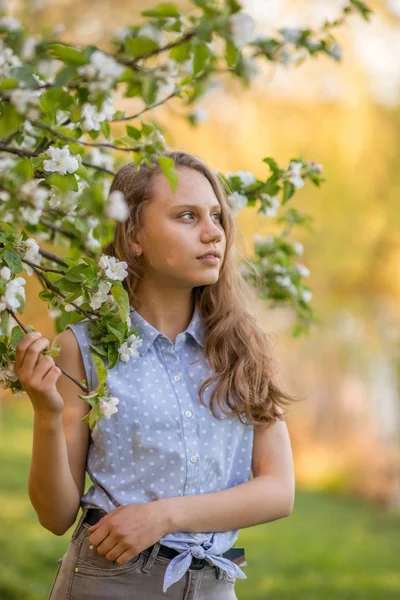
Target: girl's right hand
38 374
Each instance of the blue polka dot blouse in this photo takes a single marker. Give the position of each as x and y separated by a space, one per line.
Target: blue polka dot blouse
163 442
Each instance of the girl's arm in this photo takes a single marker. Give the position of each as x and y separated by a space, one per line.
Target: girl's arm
60 445
267 497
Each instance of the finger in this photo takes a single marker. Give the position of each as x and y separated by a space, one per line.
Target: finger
31 356
24 344
44 366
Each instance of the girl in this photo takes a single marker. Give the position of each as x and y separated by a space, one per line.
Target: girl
199 411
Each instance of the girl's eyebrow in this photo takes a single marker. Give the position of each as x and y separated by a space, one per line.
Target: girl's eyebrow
195 206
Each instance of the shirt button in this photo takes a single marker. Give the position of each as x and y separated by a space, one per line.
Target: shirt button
188 414
193 459
177 377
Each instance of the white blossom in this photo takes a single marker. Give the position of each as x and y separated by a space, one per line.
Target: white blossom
113 268
28 48
164 90
246 178
101 73
273 205
70 307
7 375
92 117
200 115
26 102
298 248
278 269
237 201
31 215
8 60
91 242
62 116
101 296
129 349
108 405
294 174
14 287
291 35
314 166
4 196
284 57
117 208
283 280
54 312
302 270
32 253
10 23
5 273
32 190
121 33
102 159
241 28
60 161
149 31
250 67
306 295
335 51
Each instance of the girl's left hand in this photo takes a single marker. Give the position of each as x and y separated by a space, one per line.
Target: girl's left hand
128 530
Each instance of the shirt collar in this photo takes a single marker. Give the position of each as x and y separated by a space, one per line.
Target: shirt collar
149 334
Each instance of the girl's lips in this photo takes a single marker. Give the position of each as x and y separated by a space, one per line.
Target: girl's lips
211 260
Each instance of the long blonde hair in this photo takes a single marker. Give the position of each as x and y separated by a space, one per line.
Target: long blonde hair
237 349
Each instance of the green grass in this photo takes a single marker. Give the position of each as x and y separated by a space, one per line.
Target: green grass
330 548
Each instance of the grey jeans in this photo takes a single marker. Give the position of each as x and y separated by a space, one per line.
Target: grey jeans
85 574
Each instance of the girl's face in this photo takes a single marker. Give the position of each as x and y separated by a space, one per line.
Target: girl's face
180 226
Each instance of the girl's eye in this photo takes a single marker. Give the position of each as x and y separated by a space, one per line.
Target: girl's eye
218 215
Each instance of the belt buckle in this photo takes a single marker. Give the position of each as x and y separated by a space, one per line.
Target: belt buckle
197 563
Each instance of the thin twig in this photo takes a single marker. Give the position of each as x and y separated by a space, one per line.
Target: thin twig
24 329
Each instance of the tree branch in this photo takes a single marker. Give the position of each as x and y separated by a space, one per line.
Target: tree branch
24 329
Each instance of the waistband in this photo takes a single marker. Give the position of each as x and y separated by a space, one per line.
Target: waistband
93 515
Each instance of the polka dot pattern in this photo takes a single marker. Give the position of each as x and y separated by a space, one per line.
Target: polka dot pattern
163 442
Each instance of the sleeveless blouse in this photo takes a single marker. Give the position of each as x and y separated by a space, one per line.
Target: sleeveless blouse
163 442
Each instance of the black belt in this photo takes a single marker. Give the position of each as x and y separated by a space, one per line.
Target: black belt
95 514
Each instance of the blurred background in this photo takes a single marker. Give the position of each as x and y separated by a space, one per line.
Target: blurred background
342 539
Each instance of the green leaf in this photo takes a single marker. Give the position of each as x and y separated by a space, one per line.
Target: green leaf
117 331
121 297
182 52
113 356
163 10
65 183
168 167
67 54
232 54
64 76
24 74
45 295
133 132
24 169
8 84
200 58
149 90
13 260
288 191
75 274
98 350
10 120
100 368
65 285
16 334
140 46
